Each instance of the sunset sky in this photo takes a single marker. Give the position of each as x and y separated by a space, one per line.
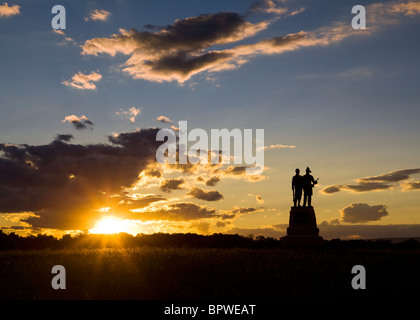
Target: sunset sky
80 109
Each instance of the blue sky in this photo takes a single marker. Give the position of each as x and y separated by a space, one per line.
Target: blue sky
350 106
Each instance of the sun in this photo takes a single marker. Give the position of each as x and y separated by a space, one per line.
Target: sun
110 224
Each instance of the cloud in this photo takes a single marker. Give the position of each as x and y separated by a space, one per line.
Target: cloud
182 211
177 51
238 172
393 176
79 123
211 195
185 48
243 210
98 15
410 186
164 119
64 137
269 6
332 189
361 187
83 81
9 11
59 31
129 114
406 8
374 183
212 181
276 7
409 9
66 40
363 212
236 211
65 184
259 199
171 184
124 203
278 146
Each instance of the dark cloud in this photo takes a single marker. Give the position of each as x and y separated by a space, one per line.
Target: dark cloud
243 210
153 172
393 176
238 172
64 137
212 181
182 211
171 184
65 184
211 195
231 214
176 51
191 45
332 189
235 170
361 187
374 183
363 212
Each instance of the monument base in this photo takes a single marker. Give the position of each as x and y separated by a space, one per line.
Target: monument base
302 230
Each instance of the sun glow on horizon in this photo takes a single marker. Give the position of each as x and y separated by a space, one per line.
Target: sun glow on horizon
109 225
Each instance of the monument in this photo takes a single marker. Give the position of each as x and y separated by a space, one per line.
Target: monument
302 230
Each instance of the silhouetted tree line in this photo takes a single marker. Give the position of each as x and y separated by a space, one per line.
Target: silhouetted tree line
13 241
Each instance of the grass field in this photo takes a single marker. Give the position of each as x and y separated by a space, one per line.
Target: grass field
204 273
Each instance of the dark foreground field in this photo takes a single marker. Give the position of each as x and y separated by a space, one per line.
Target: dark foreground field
206 273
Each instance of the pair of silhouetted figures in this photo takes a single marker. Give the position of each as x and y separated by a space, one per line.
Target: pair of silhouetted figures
305 183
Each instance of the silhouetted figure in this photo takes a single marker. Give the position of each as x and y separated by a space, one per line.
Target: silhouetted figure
297 185
308 183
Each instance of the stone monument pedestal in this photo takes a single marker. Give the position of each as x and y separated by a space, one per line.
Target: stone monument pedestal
302 230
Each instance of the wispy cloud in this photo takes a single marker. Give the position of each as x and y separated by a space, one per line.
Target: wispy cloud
66 40
393 176
277 7
375 183
164 119
9 11
98 15
83 81
129 114
59 31
278 146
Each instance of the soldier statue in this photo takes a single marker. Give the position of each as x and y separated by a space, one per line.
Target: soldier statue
308 183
